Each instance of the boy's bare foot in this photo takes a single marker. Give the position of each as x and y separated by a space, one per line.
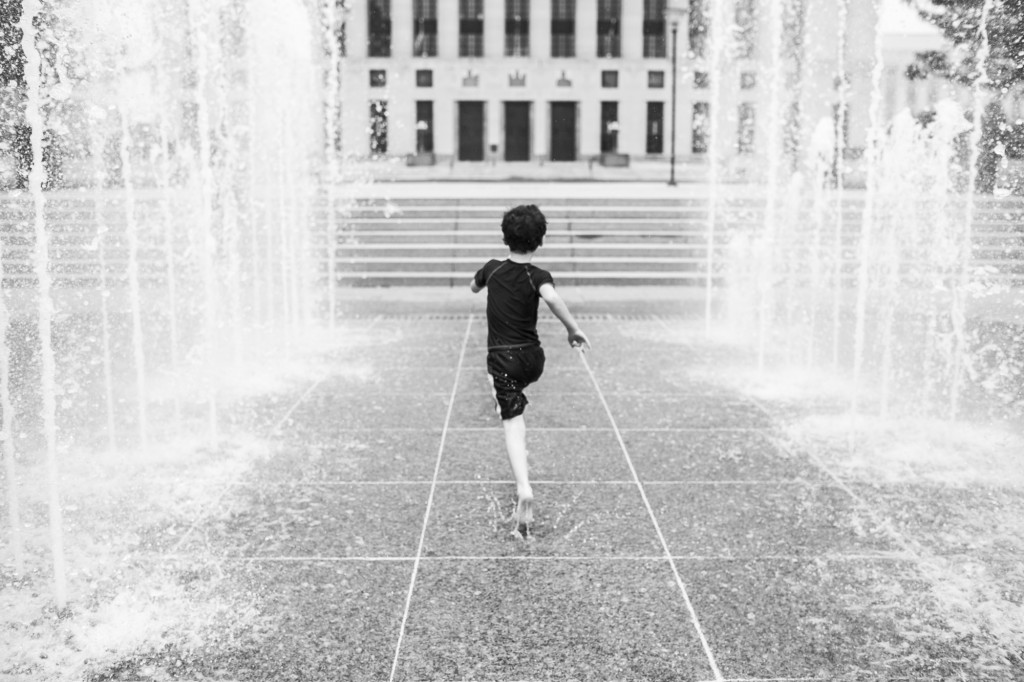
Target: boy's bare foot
524 512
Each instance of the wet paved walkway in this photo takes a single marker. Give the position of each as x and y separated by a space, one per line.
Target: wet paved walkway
674 538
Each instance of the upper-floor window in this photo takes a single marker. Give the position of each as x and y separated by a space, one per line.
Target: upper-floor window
517 28
794 21
424 43
563 28
609 13
698 27
471 28
654 28
380 28
745 22
747 127
701 128
340 7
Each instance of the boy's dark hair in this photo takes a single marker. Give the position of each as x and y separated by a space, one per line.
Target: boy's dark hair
524 228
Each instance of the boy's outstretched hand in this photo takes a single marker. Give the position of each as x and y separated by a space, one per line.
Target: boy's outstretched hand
578 341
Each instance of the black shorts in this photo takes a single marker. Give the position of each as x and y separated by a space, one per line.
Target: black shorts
511 370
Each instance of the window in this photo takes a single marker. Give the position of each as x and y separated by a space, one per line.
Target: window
471 28
655 79
745 22
701 80
424 78
654 28
380 28
563 28
517 28
378 78
841 126
608 29
424 43
700 127
698 27
791 130
378 127
340 4
609 127
748 80
794 24
655 127
747 123
609 79
424 127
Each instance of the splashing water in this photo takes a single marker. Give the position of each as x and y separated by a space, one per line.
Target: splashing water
33 113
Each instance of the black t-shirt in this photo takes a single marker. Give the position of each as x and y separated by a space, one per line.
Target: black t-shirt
513 292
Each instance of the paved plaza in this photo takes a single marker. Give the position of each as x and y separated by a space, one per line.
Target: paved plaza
677 536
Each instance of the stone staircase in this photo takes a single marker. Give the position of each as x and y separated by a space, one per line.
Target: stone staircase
443 241
440 241
432 239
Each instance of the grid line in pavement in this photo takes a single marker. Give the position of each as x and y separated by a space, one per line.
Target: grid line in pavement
675 569
312 483
430 500
896 557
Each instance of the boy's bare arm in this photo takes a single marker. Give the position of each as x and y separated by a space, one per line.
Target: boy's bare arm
576 337
474 287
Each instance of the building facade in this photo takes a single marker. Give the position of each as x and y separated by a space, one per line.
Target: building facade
562 80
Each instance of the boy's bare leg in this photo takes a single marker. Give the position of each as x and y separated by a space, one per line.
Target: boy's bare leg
515 443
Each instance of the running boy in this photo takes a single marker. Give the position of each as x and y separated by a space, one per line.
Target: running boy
515 358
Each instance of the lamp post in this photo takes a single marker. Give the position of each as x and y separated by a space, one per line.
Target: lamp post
674 11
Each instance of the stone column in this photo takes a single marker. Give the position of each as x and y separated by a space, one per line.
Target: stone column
633 123
860 41
586 29
401 29
444 127
540 29
494 132
541 128
494 29
447 29
632 26
589 116
357 31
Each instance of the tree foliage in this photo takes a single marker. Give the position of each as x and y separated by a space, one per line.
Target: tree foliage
12 59
960 21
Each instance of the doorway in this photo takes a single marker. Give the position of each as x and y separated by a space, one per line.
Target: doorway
471 131
563 131
517 131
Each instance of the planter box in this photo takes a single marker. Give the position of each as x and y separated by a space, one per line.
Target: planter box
421 159
614 159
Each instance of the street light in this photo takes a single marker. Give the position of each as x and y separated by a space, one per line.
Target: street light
675 10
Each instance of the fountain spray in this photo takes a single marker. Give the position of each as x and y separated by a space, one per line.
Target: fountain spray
839 162
766 307
331 23
99 182
205 241
134 292
869 218
718 48
167 219
34 117
10 468
252 205
958 291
